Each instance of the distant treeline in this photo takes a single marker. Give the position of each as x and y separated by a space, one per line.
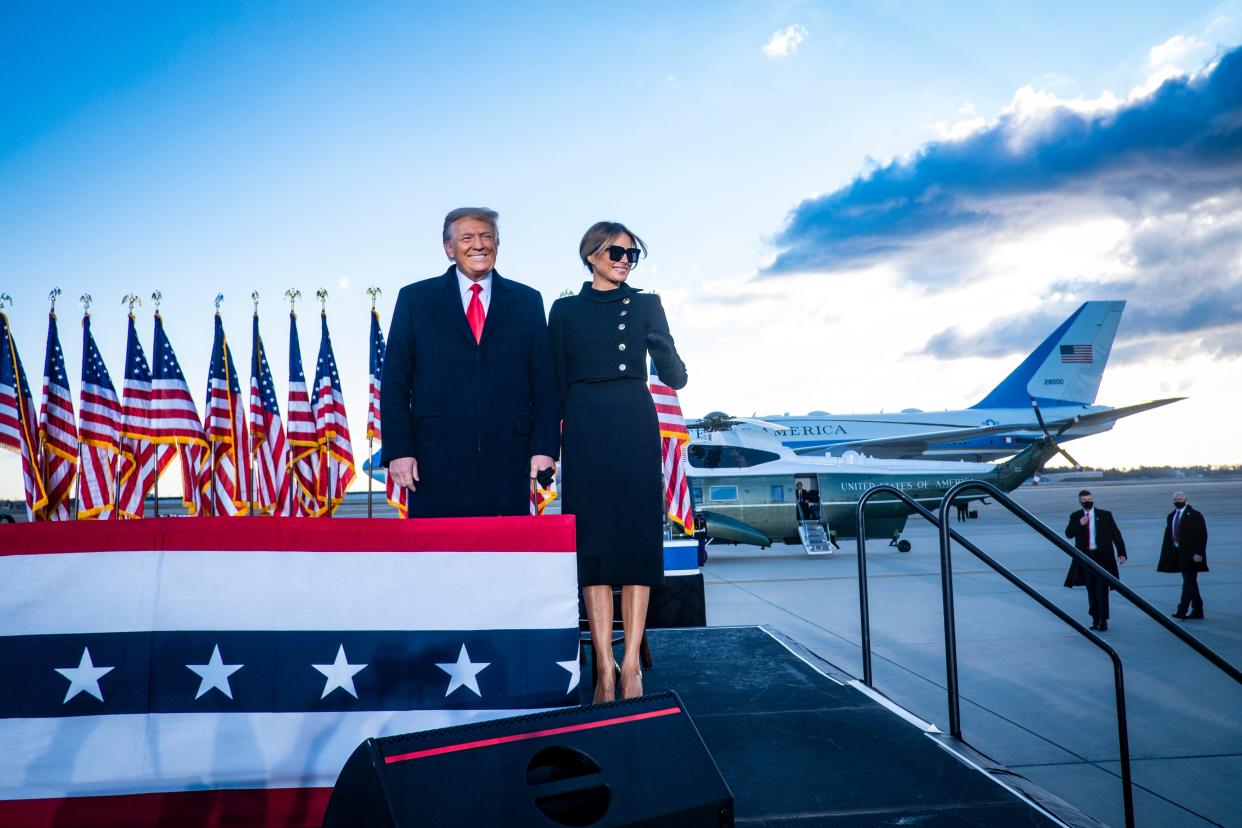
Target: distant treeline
1160 472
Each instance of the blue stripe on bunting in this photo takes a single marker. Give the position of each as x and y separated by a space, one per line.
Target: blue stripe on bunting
150 675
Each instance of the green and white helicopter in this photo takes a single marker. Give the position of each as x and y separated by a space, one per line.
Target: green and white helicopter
749 488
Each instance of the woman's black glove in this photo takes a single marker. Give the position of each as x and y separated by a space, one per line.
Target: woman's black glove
659 345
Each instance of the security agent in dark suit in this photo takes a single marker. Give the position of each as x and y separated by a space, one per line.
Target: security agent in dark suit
1184 550
1095 534
468 398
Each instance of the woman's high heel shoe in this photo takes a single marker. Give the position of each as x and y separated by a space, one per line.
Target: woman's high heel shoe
633 692
601 695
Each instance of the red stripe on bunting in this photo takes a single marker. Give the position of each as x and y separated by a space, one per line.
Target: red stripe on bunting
253 808
547 533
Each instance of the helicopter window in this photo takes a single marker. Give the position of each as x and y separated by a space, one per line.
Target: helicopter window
778 493
696 494
728 457
722 492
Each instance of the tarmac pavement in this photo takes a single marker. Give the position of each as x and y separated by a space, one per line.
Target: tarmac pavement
1035 696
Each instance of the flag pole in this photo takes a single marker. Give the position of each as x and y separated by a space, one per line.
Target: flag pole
254 445
322 295
85 301
374 293
293 296
156 296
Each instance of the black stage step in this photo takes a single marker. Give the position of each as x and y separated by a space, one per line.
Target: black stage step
799 749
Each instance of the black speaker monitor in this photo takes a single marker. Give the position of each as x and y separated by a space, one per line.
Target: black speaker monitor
627 763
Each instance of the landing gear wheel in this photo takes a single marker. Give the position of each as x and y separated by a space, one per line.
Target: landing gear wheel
904 546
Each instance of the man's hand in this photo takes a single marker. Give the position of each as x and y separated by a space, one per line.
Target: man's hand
1084 520
404 471
1197 558
1121 559
538 463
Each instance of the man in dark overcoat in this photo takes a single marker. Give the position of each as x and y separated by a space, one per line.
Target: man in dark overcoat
1096 535
1184 550
468 398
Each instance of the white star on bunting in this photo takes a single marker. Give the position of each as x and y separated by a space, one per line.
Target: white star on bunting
574 666
84 678
214 674
340 674
464 672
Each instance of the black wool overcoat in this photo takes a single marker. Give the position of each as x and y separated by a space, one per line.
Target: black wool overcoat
470 413
1108 544
1192 540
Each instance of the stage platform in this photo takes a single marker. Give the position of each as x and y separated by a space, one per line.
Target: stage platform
799 745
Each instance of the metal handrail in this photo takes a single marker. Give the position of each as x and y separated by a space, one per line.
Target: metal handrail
946 576
1213 657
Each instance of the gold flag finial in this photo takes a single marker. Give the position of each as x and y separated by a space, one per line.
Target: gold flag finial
322 296
85 300
131 299
293 295
254 297
6 301
219 301
375 293
52 296
156 298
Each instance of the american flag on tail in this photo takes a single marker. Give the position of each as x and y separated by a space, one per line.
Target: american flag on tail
335 469
140 463
673 440
99 433
225 426
398 496
271 451
19 430
58 434
175 423
303 447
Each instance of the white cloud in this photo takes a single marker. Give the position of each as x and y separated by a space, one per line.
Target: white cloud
1175 51
785 42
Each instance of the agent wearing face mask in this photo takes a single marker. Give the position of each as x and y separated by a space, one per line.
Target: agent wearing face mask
1096 535
1184 550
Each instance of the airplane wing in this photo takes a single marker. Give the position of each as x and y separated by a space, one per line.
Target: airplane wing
1117 413
913 445
905 444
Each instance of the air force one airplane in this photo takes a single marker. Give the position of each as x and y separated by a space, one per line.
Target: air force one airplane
1054 388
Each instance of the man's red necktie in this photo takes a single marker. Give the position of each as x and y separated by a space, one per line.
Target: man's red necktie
474 312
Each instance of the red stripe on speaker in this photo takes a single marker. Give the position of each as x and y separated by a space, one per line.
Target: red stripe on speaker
253 808
521 737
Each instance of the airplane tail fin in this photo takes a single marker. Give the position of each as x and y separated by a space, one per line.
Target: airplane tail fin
1067 367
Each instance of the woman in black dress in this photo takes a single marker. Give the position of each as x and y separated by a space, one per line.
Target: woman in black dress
612 476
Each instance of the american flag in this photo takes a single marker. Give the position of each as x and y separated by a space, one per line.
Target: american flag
100 433
225 425
303 446
140 464
398 496
267 432
1077 354
18 427
164 673
673 440
335 470
175 423
58 435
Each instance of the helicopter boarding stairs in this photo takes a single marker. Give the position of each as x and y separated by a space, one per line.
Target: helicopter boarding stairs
814 537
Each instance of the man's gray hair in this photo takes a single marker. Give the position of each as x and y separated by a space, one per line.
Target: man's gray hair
482 214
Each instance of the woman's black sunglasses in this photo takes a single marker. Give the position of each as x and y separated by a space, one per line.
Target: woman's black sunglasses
617 252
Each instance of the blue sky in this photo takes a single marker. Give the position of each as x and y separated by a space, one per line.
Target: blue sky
204 148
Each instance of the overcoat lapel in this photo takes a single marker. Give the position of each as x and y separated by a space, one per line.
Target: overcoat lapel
450 301
502 297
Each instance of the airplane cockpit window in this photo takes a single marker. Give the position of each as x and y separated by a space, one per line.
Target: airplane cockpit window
728 457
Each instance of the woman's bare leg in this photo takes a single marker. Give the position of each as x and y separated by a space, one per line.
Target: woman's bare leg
598 600
634 600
